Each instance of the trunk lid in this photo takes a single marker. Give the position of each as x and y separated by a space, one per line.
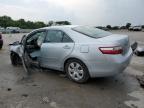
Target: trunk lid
118 40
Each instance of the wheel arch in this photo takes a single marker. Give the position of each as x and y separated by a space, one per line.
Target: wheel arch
15 58
12 52
74 58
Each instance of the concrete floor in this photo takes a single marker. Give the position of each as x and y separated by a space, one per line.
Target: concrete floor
51 89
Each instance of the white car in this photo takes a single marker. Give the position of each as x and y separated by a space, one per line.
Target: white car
136 28
13 29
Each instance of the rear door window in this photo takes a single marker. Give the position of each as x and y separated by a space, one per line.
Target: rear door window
57 36
66 38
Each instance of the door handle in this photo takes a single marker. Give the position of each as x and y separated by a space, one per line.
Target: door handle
67 47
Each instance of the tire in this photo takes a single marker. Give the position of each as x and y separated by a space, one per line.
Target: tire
15 59
0 47
136 53
76 71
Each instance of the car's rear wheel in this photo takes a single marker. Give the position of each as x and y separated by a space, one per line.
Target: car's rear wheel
15 59
76 71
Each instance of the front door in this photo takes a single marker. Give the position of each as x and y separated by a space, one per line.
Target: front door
56 47
33 43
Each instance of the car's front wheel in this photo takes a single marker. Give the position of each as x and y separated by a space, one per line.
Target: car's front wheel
76 71
0 46
15 59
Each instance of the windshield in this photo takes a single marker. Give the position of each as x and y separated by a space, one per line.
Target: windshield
91 31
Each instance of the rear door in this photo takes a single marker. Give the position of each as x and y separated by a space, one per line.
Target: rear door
56 47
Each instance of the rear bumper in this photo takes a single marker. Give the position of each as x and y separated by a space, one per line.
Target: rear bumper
112 65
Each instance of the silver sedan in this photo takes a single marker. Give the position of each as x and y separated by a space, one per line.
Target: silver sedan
80 51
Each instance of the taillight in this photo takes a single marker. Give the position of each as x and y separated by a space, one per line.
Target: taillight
111 50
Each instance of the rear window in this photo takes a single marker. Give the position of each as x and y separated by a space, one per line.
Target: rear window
91 31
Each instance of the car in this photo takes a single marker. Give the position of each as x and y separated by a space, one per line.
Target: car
1 41
137 28
139 51
2 29
82 52
131 28
13 30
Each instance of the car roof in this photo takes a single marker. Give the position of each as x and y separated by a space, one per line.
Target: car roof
68 30
61 27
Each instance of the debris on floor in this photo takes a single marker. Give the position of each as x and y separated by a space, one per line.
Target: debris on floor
53 104
34 85
9 89
24 95
138 100
45 100
134 106
141 80
62 75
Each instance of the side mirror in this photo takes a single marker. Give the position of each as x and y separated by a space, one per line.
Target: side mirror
16 43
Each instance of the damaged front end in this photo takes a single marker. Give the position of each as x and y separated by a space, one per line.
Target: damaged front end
16 51
24 54
18 55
